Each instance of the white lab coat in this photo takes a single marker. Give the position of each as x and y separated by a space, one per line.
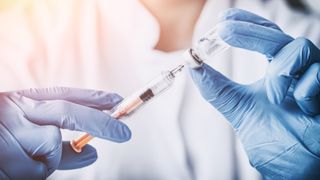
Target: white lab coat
108 45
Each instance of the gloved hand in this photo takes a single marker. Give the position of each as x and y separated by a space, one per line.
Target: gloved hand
276 118
30 138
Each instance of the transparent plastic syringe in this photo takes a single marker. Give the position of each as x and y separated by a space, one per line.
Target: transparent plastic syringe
205 48
135 101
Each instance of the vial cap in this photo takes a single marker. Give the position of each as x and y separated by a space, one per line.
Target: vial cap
191 59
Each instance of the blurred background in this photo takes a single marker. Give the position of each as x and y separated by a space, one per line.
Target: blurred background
118 46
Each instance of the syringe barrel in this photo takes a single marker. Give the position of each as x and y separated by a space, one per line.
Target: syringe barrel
136 100
161 83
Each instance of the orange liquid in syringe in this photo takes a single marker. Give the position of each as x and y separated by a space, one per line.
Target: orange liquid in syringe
124 109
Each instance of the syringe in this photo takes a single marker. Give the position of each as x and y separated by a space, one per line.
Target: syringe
133 102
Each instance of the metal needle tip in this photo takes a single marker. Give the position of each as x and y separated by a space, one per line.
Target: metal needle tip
177 69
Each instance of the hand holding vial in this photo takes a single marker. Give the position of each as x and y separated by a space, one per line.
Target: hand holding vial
276 117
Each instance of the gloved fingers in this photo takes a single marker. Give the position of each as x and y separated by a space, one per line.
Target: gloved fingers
3 175
42 143
307 90
287 66
254 37
231 99
67 115
47 147
91 98
72 160
15 163
234 14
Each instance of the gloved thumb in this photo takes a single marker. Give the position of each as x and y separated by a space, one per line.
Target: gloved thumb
72 160
228 97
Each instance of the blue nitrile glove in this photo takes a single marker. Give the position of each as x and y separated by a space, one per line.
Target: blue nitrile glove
277 117
30 138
